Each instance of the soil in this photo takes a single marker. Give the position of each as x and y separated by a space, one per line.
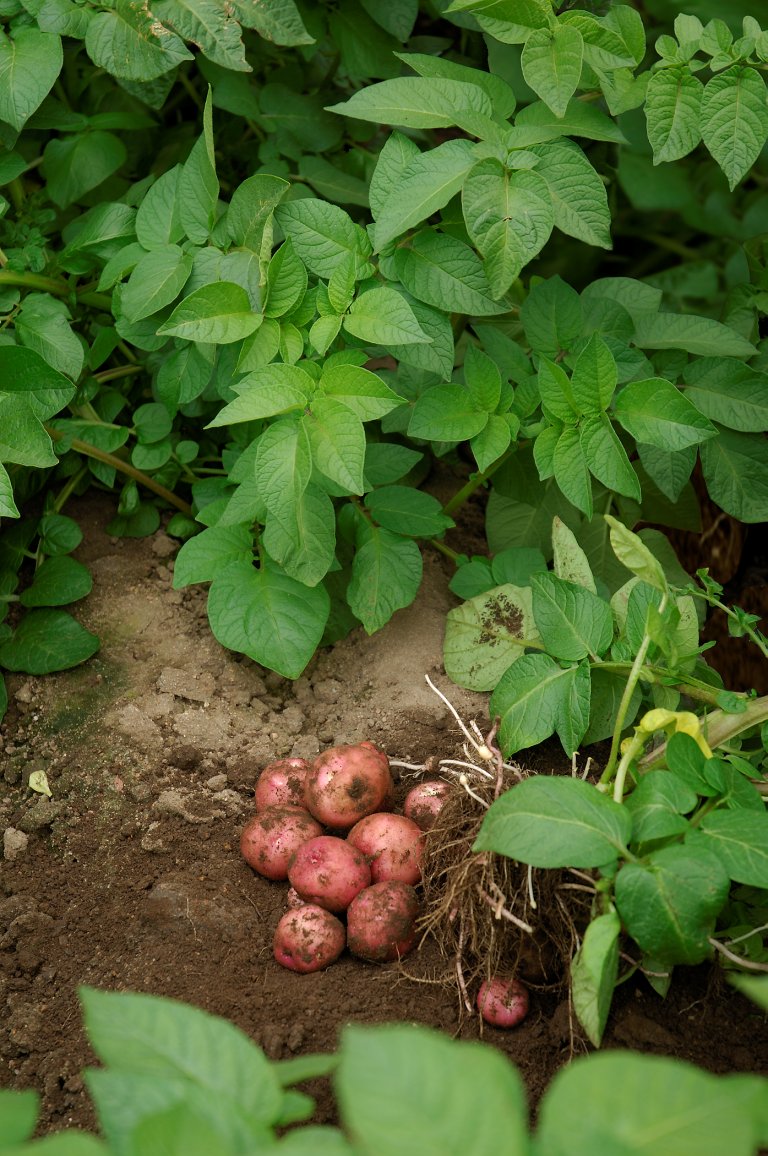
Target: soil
130 876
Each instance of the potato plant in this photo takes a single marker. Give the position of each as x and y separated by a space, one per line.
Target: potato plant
261 266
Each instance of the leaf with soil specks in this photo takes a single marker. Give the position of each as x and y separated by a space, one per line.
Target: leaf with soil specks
486 634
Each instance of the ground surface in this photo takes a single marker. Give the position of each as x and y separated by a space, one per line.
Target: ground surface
131 877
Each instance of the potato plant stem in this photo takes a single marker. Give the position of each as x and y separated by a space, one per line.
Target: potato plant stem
476 481
124 467
621 715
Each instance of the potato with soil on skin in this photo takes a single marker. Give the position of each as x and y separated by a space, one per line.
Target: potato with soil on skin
308 939
381 922
346 783
281 782
424 802
503 1003
272 837
392 844
329 871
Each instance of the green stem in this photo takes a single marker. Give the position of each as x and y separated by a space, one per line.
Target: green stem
657 675
446 550
68 489
118 372
626 698
477 481
101 301
124 467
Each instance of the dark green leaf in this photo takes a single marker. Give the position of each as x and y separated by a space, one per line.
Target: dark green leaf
386 575
594 970
57 582
555 822
573 622
47 640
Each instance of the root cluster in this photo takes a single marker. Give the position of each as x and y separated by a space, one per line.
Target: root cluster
488 914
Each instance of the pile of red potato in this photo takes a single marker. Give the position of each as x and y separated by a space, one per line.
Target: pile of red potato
365 872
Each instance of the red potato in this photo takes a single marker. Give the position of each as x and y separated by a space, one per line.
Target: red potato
281 782
381 922
502 1002
329 872
346 783
392 844
308 939
424 802
271 838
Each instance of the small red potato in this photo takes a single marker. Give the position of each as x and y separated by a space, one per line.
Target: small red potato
381 922
271 838
281 782
502 1002
308 939
329 872
424 802
392 844
345 783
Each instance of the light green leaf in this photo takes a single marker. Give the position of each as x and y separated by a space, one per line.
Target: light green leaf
8 508
569 560
499 93
404 1088
416 102
735 467
322 235
301 535
219 313
551 62
286 281
386 575
594 970
552 316
734 119
572 621
425 184
509 216
555 821
492 441
275 620
673 111
383 317
446 413
42 324
443 272
700 335
30 62
578 195
407 511
156 281
266 392
660 1107
726 391
198 187
360 390
571 470
201 558
438 354
657 413
633 553
46 391
337 440
669 902
606 457
213 27
398 152
536 697
486 634
579 119
127 42
45 641
594 376
278 21
283 462
78 164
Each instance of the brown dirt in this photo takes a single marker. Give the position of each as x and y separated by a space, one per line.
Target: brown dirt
131 877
